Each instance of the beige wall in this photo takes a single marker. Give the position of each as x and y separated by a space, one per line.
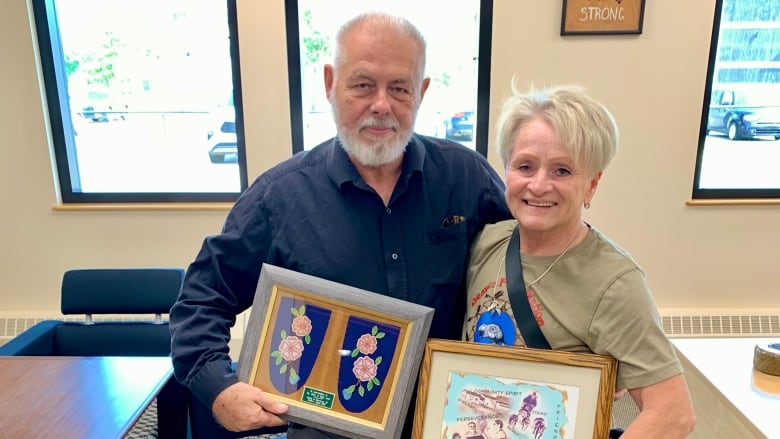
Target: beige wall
695 256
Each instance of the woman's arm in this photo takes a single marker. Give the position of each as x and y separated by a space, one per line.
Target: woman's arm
665 410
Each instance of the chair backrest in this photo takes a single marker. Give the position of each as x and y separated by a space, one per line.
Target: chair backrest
117 291
120 290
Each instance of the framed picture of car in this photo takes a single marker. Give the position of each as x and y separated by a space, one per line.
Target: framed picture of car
470 389
343 359
582 17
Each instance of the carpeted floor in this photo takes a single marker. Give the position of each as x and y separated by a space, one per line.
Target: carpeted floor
624 410
146 427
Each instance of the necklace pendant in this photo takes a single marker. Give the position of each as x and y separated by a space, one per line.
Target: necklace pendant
495 307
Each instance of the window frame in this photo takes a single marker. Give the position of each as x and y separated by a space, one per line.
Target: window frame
728 195
483 75
52 62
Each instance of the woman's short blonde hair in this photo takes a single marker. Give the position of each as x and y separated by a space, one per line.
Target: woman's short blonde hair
585 128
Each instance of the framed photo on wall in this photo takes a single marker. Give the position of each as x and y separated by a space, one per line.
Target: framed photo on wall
344 360
471 389
582 17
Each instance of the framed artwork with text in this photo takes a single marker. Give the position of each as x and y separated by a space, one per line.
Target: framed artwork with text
582 17
343 359
474 390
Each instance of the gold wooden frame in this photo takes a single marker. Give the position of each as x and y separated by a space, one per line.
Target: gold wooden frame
452 389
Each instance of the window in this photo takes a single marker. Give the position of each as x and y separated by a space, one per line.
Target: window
739 146
458 63
143 99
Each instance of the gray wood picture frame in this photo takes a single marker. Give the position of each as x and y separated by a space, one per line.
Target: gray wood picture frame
277 284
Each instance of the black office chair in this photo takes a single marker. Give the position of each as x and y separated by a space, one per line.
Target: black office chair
131 292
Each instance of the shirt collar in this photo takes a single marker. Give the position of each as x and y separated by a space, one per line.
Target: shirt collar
341 170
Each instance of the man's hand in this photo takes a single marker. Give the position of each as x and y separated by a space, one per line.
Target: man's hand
242 407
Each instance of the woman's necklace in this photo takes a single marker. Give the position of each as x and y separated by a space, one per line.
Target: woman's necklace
494 305
549 267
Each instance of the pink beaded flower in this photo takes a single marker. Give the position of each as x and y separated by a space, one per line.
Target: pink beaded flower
365 368
291 346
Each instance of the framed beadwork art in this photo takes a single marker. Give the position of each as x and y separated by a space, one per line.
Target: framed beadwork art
344 360
477 390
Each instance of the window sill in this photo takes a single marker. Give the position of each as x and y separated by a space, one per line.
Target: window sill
734 202
141 206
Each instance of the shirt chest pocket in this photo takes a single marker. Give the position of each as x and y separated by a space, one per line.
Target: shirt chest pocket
446 253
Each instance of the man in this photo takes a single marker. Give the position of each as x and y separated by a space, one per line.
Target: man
498 430
529 402
472 432
378 208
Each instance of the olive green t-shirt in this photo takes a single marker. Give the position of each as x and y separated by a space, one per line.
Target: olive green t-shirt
594 299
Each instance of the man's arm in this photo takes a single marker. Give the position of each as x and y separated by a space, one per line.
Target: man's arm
665 410
219 284
201 319
200 327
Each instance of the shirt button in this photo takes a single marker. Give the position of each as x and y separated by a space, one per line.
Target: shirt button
394 256
389 211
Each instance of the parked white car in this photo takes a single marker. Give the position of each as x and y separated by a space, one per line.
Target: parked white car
222 136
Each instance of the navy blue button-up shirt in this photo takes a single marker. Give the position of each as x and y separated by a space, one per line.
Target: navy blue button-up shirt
314 214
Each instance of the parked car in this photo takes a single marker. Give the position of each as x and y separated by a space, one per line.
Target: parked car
222 137
99 107
460 125
744 113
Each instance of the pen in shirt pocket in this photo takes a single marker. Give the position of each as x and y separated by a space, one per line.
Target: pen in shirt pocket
452 220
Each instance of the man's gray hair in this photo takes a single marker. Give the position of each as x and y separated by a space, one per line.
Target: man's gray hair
384 23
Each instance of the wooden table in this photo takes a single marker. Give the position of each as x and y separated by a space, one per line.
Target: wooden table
730 397
77 397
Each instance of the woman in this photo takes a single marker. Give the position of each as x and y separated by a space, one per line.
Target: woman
585 293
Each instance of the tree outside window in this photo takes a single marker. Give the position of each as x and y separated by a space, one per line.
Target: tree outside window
141 99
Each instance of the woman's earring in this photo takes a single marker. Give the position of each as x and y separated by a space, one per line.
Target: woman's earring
587 204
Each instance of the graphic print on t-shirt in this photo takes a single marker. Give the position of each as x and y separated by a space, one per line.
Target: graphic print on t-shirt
489 319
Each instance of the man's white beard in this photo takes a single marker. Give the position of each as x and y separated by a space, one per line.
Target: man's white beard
376 152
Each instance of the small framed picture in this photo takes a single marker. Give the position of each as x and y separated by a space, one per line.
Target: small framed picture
344 360
584 17
473 390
